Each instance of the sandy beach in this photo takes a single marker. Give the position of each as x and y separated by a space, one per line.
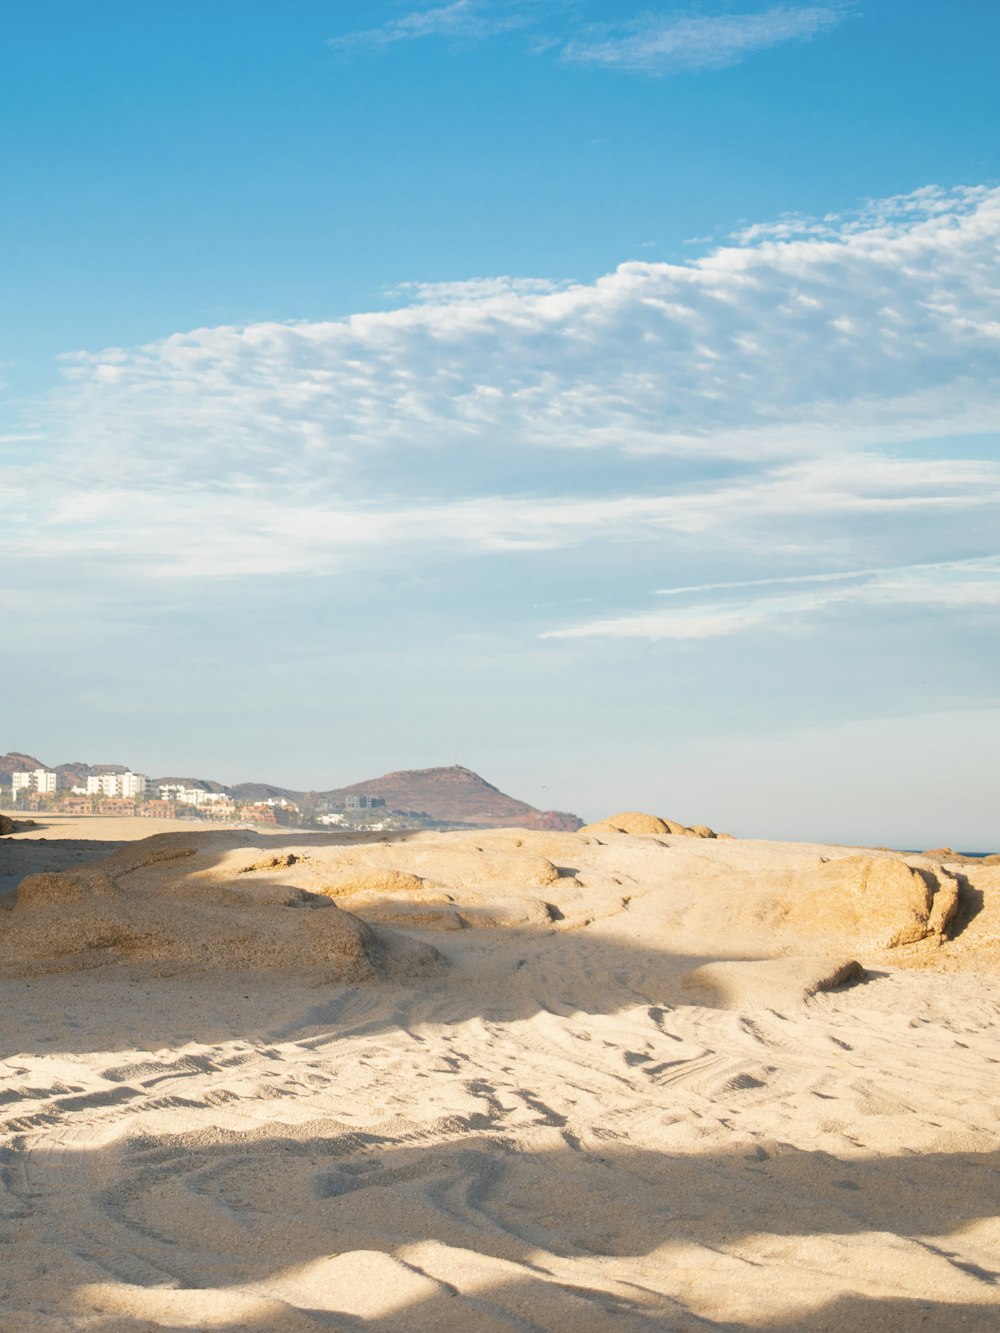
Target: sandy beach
47 842
508 1080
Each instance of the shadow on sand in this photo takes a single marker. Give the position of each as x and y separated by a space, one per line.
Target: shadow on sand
574 1237
163 1214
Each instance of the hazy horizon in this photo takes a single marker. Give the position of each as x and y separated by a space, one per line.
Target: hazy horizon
760 821
602 396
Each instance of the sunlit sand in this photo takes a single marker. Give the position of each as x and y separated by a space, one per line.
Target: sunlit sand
494 1081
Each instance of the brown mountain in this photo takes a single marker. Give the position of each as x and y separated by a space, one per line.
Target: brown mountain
202 784
452 795
76 772
14 762
264 791
455 795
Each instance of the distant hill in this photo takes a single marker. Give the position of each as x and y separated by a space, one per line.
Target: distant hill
202 784
452 795
455 795
74 773
14 762
263 791
77 773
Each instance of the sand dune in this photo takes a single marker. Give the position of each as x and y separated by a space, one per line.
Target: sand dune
155 902
510 1080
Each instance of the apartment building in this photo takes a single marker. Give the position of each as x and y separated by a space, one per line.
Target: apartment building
157 809
175 791
358 801
40 780
125 785
119 806
75 805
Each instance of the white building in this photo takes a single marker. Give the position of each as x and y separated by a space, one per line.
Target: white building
128 785
174 791
40 780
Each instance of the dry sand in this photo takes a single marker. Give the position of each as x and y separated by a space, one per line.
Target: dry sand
503 1081
59 842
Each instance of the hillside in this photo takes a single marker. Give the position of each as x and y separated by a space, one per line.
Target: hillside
204 784
15 762
265 791
455 795
75 772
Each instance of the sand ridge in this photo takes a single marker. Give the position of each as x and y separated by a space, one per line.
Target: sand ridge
627 1099
149 902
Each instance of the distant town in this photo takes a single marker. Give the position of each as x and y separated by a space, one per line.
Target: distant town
128 794
432 798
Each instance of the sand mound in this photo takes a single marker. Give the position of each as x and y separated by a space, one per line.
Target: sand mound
770 982
877 902
977 918
730 899
694 894
949 855
461 883
233 899
371 879
475 865
633 821
502 858
454 860
280 861
135 906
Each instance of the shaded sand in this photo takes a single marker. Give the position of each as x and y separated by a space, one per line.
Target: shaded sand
44 842
508 1080
101 828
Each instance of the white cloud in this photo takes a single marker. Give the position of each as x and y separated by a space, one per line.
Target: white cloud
465 20
951 585
661 44
211 533
774 371
657 43
762 350
786 580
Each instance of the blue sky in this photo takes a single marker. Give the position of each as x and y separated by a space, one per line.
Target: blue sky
604 396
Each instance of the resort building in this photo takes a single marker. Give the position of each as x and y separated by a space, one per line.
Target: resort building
174 791
356 801
40 780
75 805
126 785
119 806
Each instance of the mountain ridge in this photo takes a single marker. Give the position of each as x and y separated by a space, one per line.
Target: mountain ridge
452 794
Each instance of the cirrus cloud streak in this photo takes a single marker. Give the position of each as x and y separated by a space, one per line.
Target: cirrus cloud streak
953 585
654 43
667 44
